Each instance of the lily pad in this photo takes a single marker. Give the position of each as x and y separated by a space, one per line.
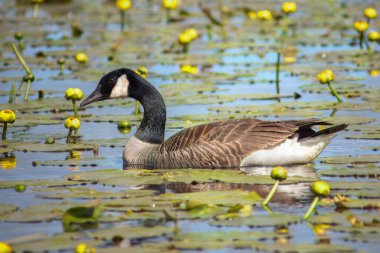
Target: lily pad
260 221
305 248
364 159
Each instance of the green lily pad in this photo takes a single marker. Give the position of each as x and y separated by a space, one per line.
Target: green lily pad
131 232
224 198
369 170
42 147
48 183
305 248
260 221
364 159
4 208
139 177
92 162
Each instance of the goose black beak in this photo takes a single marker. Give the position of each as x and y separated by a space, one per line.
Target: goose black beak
93 97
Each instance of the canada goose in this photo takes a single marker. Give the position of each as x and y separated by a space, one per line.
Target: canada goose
230 143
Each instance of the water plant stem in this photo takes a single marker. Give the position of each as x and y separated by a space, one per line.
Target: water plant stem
122 20
185 48
69 136
137 107
29 82
11 93
168 16
36 10
370 50
361 38
278 72
271 193
335 94
21 59
4 135
76 115
311 208
61 69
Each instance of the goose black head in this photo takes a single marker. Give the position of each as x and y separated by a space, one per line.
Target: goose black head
115 84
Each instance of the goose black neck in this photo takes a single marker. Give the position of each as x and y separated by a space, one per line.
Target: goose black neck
152 127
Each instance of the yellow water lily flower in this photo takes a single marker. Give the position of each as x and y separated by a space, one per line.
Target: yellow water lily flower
170 4
72 123
142 71
84 248
264 15
370 13
74 94
8 163
81 58
361 26
123 4
289 7
189 69
7 116
5 248
326 76
374 36
252 15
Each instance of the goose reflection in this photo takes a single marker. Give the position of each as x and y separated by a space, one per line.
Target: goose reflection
294 194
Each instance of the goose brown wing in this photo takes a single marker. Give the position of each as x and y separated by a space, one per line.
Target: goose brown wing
226 143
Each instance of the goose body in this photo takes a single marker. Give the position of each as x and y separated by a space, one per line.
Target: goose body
224 144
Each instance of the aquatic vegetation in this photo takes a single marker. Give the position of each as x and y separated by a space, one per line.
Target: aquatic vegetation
84 248
142 71
81 58
326 77
19 36
71 123
370 13
264 15
49 140
6 117
279 174
61 62
169 5
36 7
5 248
289 7
186 37
320 189
11 93
20 188
123 6
361 27
124 126
190 69
373 36
28 77
74 94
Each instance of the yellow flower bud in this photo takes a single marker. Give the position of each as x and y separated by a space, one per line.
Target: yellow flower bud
142 71
123 4
5 248
84 248
74 94
72 123
193 33
7 116
184 38
264 15
170 4
370 13
374 72
326 76
321 188
252 15
279 173
374 36
81 58
289 7
361 26
189 69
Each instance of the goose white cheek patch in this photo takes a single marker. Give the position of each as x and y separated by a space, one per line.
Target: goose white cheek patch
120 89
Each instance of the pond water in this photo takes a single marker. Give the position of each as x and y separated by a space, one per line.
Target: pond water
185 209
